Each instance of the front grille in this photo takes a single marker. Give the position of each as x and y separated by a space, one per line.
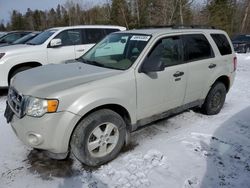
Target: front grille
16 102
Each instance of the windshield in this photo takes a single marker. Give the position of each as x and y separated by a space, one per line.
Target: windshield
26 38
117 51
42 37
242 38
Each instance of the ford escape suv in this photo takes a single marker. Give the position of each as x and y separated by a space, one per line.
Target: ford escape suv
54 45
89 106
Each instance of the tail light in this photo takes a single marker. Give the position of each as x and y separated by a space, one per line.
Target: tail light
235 63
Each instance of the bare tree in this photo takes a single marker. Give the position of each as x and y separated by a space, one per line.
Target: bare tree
243 25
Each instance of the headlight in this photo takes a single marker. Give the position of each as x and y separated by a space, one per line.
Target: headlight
38 107
1 55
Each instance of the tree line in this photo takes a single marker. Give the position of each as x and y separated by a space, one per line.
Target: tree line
229 15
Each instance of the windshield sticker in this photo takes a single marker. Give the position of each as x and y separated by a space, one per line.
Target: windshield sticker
140 38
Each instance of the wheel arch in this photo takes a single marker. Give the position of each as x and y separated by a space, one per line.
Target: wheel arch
26 64
119 109
225 80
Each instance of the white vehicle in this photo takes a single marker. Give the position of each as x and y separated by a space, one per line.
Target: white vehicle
89 106
54 45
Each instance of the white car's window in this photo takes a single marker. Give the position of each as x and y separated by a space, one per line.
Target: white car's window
70 37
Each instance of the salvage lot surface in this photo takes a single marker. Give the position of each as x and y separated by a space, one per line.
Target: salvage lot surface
187 150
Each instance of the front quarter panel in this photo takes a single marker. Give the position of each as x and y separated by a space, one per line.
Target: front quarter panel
119 89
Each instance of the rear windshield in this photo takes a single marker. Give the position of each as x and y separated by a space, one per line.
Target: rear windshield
222 44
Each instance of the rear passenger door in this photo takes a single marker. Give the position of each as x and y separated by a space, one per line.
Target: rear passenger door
199 57
161 91
90 36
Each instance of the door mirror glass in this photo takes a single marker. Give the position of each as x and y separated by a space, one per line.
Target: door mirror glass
55 42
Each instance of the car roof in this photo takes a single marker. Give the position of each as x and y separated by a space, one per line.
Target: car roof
160 31
21 31
90 26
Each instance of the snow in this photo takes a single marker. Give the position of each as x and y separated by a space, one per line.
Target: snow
188 150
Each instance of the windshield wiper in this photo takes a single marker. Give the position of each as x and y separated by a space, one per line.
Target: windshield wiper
30 43
90 62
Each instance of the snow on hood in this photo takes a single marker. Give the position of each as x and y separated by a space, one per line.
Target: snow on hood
46 80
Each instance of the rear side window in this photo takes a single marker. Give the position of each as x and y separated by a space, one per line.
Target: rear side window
222 43
197 47
92 36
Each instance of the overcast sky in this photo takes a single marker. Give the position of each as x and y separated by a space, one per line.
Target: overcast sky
6 6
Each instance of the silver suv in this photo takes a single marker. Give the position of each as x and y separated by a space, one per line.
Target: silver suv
90 105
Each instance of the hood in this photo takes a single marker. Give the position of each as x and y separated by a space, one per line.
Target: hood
18 48
47 80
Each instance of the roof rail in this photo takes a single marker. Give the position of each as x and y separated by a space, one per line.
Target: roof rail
193 27
156 26
173 26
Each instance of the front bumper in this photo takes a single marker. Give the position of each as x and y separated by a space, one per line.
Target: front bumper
50 132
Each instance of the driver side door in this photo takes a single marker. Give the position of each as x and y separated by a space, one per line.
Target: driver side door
66 51
158 92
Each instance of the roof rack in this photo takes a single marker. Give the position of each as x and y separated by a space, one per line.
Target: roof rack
179 27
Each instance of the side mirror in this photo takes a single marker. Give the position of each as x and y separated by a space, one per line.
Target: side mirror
55 42
152 65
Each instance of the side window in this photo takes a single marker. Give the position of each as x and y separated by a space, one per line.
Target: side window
222 43
23 34
11 38
197 47
108 31
92 36
167 50
70 37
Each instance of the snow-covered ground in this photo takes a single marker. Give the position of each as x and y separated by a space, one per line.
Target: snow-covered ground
188 150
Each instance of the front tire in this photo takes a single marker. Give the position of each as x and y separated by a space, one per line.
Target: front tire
215 99
98 138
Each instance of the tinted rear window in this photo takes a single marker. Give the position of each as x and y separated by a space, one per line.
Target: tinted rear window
222 43
197 47
92 36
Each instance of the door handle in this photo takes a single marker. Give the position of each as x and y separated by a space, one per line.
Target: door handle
178 74
212 65
80 50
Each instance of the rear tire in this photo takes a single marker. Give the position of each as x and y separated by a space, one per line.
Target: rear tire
215 99
98 138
